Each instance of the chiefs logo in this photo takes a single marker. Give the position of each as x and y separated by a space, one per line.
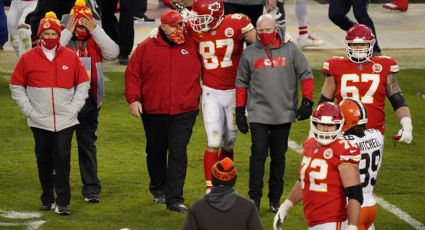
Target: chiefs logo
229 32
377 68
46 25
183 51
328 153
214 7
267 62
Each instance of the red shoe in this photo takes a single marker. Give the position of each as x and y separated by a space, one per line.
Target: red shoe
400 5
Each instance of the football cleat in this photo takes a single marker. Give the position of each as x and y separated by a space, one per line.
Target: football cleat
400 5
310 41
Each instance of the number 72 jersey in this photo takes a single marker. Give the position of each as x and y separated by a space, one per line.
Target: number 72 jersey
365 82
371 149
221 50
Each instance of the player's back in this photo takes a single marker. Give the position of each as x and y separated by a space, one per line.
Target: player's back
365 82
221 50
371 148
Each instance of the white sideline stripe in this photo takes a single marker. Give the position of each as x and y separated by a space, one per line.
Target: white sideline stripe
384 204
399 213
20 215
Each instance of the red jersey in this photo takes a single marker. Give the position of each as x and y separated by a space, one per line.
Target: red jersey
221 50
365 82
323 194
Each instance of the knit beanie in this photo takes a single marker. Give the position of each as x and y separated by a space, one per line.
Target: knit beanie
81 11
49 22
224 173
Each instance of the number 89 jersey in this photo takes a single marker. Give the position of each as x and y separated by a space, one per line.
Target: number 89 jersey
323 194
371 149
221 50
365 82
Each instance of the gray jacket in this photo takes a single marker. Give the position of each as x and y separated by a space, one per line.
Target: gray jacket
272 91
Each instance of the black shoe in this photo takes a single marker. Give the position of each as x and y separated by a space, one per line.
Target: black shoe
177 207
143 18
274 207
159 199
123 60
47 207
92 198
62 210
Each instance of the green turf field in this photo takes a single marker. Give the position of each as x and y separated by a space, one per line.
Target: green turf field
125 199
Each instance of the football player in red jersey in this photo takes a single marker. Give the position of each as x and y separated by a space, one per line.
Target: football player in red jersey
368 79
220 40
329 174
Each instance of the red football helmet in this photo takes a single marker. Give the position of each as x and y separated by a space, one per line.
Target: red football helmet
354 113
359 34
329 114
206 14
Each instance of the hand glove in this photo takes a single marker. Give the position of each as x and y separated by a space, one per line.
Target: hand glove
305 109
405 132
241 120
281 214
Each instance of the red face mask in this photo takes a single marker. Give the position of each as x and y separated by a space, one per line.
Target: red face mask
49 43
177 36
267 38
81 35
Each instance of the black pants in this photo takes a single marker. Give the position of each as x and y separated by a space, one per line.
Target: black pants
252 11
141 7
338 10
86 138
264 137
121 32
53 152
168 133
59 7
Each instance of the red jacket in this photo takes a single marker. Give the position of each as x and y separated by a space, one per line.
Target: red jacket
164 79
50 93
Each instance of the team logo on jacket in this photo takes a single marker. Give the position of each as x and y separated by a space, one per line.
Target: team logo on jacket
229 32
64 67
328 153
184 52
377 68
267 62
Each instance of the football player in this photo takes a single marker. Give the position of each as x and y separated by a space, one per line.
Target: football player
368 79
220 40
371 144
328 175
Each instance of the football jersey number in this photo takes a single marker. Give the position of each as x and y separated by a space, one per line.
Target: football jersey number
319 174
354 92
208 52
372 163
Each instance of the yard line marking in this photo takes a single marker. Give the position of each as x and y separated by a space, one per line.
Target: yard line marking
32 225
20 215
384 204
106 78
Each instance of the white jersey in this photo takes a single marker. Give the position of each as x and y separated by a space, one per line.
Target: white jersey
371 149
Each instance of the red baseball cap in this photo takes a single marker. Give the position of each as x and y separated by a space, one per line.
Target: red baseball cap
171 17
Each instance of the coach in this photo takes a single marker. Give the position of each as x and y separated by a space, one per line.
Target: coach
266 84
162 85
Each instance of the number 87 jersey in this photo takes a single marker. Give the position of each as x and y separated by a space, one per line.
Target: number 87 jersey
371 149
365 82
221 49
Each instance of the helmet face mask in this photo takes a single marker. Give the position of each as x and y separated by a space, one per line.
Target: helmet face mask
326 113
206 15
356 35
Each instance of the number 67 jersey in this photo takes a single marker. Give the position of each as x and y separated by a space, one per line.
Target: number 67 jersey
371 149
221 49
365 82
